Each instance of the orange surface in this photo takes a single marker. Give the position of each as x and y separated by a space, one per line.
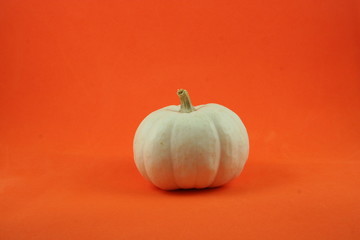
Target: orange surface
77 77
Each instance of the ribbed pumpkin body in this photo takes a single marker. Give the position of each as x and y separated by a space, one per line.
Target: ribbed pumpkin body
204 148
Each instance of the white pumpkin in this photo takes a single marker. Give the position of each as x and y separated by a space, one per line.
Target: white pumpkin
184 147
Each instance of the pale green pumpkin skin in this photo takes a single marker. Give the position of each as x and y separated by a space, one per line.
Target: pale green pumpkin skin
204 148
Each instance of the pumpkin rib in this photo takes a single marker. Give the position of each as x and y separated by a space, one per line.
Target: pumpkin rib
243 137
211 120
218 121
172 122
171 156
150 128
215 136
183 133
149 162
139 158
237 164
228 142
220 154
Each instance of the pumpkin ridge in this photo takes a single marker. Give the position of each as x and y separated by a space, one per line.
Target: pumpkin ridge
220 150
141 151
146 142
238 121
171 157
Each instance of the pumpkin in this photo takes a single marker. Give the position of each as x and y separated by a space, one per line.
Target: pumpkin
186 147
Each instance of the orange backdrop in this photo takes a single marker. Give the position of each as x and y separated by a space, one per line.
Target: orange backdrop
77 78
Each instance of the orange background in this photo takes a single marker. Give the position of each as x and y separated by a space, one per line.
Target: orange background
77 78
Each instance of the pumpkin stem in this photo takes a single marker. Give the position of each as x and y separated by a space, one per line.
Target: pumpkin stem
186 106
